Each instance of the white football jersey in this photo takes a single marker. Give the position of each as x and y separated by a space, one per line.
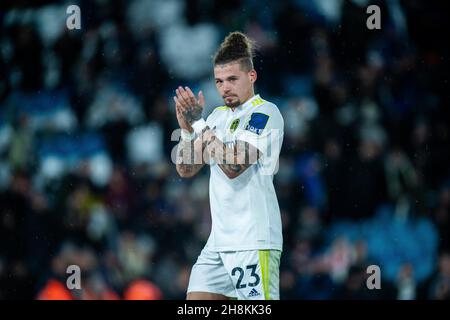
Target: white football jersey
245 212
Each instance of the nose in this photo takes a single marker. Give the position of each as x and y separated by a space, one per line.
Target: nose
226 87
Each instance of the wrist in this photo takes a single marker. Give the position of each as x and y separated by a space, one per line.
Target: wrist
199 125
186 135
209 138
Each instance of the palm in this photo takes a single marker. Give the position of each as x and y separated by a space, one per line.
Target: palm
189 108
182 121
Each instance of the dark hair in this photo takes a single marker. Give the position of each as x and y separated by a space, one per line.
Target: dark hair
236 47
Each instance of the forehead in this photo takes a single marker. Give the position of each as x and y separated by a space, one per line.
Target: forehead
228 69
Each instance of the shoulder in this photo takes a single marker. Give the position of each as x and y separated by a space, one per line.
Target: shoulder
264 117
270 109
218 110
216 113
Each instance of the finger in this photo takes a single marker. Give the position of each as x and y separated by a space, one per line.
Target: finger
177 103
181 119
185 95
177 106
191 96
183 110
201 98
181 99
189 92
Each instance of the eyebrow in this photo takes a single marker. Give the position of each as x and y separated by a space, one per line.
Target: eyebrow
228 78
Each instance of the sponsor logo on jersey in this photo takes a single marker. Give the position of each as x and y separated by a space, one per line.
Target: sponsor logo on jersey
257 122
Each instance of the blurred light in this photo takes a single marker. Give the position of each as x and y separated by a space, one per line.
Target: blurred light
52 167
144 144
142 290
100 169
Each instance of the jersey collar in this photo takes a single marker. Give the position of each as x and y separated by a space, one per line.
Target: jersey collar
248 102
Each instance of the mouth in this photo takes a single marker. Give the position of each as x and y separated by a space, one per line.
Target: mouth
231 101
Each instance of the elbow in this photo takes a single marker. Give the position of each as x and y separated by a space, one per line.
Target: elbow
232 176
184 175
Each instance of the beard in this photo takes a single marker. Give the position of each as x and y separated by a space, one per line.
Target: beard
232 103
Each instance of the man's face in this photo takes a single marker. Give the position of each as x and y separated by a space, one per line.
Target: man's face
234 85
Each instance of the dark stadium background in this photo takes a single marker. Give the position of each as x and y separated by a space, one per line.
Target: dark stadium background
86 118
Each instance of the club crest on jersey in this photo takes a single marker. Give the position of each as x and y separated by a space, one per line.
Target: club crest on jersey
257 122
234 125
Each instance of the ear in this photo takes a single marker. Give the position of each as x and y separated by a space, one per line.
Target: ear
252 75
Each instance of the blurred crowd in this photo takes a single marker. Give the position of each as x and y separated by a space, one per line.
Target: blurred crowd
86 122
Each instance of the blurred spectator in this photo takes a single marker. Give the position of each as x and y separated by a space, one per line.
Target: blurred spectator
119 197
406 284
95 288
194 63
441 217
114 110
135 254
29 69
440 285
21 147
355 287
401 175
365 182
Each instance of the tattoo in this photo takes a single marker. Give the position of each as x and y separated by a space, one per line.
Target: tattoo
193 113
233 161
186 164
233 168
240 149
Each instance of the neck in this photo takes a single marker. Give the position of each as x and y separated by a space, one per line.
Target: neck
249 96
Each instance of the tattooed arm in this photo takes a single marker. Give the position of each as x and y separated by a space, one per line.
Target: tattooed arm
232 160
190 156
189 159
186 166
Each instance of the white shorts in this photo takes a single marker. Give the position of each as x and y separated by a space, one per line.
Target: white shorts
245 275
